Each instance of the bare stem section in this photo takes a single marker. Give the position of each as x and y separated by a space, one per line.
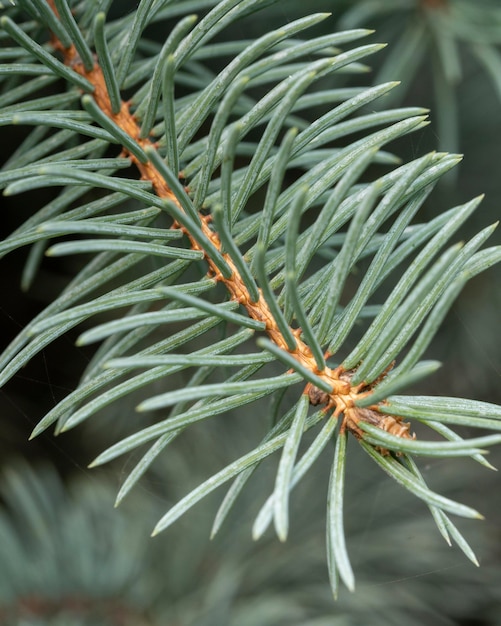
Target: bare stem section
341 399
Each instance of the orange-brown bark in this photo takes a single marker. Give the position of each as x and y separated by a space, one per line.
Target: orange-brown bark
342 396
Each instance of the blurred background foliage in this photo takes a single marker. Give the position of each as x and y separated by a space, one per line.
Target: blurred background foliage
66 557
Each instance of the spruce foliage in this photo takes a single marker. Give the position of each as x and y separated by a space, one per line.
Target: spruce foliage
221 228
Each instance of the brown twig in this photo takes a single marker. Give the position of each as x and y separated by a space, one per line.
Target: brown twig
341 398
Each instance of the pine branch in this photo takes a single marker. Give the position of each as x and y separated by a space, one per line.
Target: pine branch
342 396
303 323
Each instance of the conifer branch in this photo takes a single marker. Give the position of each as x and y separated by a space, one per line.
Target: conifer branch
343 396
275 283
